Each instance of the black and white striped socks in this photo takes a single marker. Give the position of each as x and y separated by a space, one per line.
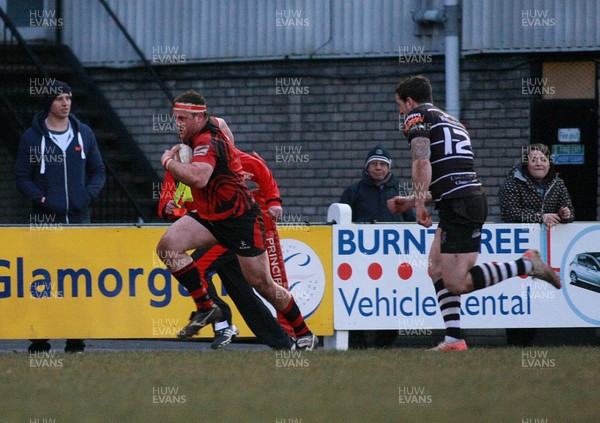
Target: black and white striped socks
450 308
488 274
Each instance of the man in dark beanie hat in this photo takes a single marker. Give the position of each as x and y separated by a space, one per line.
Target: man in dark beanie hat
378 153
51 90
368 196
60 170
368 200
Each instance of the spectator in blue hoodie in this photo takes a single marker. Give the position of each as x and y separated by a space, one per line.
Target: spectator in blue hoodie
367 198
59 169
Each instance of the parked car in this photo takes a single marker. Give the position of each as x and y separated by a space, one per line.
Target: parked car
585 267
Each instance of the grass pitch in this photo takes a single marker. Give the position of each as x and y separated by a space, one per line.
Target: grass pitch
556 384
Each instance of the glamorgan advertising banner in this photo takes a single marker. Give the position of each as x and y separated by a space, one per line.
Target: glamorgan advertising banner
107 282
381 280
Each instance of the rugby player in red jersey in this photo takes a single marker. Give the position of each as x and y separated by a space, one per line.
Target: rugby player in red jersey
223 213
173 203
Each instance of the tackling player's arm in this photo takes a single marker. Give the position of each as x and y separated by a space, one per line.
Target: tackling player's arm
264 178
165 201
225 129
195 174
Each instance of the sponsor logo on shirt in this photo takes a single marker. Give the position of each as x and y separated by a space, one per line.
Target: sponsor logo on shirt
414 123
201 150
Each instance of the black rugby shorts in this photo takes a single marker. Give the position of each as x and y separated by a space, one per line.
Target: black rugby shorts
244 235
461 220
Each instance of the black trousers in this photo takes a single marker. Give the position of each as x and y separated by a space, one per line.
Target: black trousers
256 315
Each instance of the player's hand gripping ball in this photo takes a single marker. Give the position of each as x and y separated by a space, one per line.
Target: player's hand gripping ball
184 154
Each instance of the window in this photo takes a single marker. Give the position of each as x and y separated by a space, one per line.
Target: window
569 80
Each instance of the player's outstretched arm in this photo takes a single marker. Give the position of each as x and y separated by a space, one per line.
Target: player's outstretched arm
421 177
400 204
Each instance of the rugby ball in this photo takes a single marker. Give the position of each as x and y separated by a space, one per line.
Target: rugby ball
184 155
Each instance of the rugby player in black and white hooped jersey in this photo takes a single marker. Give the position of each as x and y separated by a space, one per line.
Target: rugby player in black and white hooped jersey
443 172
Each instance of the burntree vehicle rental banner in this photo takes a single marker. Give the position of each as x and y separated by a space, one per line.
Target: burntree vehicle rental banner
381 280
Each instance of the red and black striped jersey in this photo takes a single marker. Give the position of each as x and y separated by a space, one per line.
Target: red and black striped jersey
453 172
226 194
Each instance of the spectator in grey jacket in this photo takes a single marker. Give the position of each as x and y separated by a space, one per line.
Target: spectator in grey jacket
368 200
533 193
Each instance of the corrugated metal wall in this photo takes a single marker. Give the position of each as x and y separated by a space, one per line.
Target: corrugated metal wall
530 25
216 30
230 30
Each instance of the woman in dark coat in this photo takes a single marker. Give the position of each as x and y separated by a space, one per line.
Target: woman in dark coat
533 193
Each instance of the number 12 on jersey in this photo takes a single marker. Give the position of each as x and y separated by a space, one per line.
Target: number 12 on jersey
456 141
